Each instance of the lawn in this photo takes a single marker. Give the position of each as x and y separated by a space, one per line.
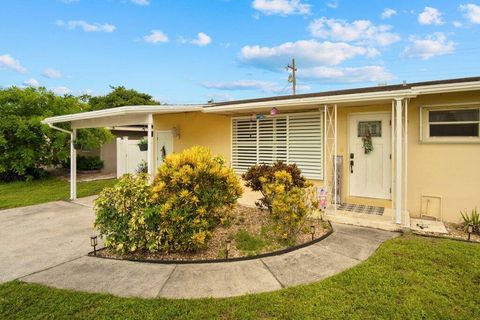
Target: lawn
18 194
409 277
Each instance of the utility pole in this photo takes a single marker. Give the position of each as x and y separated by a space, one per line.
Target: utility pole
292 77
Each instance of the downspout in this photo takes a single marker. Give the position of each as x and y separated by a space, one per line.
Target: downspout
73 160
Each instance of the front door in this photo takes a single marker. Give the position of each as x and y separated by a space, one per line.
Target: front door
164 145
369 155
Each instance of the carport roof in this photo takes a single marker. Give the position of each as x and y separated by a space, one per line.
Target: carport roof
122 112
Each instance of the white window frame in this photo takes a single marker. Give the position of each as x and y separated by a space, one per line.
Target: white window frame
319 114
424 127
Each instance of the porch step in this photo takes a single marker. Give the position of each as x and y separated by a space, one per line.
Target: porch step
362 222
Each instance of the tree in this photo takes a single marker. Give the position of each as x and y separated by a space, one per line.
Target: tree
118 97
27 145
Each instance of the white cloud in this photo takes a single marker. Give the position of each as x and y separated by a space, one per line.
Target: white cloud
430 16
359 30
332 4
349 75
281 7
8 62
388 13
32 82
141 2
61 90
433 45
457 24
156 36
51 73
202 40
308 53
86 26
268 86
471 12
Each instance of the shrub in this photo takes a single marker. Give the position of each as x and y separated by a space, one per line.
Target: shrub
120 213
266 173
191 195
86 163
290 204
142 167
471 219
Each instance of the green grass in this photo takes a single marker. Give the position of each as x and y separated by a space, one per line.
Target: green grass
18 194
409 277
248 243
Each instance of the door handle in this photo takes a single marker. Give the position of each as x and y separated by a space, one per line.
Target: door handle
351 166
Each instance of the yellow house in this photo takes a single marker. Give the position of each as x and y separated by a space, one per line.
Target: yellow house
380 154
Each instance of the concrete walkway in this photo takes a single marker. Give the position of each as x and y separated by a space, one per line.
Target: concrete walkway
345 248
48 243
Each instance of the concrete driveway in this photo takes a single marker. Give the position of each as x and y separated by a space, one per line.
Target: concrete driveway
39 237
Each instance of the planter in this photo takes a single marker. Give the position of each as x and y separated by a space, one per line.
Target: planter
143 147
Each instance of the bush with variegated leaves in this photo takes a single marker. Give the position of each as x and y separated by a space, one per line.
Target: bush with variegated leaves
192 193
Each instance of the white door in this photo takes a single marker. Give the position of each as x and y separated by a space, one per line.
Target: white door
164 145
370 172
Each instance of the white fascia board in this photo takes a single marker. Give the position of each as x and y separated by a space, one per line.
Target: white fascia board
357 97
122 111
445 88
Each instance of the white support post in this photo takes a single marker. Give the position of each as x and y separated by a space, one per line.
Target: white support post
335 177
405 156
150 147
73 166
398 162
325 146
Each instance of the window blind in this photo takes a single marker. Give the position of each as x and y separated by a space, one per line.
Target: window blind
293 138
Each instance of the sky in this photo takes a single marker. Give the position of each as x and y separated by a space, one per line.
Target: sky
193 51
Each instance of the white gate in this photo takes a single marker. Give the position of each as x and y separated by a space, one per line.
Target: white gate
129 156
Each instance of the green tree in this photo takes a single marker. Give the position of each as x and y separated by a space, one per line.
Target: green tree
118 97
27 145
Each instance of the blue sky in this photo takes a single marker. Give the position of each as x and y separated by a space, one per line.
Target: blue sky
192 51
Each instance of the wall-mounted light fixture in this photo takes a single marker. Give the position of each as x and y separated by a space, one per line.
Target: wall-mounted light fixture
274 111
176 132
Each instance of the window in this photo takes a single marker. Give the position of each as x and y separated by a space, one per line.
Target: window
454 122
373 127
294 138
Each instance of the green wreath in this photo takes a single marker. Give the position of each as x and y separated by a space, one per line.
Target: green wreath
367 141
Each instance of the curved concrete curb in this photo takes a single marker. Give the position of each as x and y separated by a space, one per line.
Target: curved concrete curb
346 247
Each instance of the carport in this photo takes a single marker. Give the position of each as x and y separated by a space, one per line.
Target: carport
113 117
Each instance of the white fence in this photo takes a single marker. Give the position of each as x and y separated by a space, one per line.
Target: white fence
129 156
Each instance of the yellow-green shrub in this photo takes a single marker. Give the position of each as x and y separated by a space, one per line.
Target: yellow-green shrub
290 204
120 213
191 194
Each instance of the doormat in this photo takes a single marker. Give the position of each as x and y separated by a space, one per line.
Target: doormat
361 208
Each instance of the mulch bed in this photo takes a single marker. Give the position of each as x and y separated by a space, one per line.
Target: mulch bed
255 221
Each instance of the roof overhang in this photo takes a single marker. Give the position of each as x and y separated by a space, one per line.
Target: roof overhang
375 97
121 116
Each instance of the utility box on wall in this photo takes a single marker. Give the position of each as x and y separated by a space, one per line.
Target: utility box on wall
338 194
431 207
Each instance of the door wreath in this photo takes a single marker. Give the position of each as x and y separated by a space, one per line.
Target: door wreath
367 141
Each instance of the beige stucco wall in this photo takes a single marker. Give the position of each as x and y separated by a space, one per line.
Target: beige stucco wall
448 170
451 171
198 129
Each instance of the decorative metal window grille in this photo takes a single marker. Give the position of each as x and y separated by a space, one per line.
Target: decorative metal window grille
291 138
375 128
